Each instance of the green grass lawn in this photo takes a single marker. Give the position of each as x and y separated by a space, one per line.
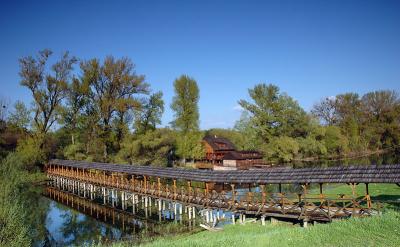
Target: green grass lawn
378 191
373 231
387 194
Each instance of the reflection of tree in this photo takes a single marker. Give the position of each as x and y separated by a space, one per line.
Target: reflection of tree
37 209
78 229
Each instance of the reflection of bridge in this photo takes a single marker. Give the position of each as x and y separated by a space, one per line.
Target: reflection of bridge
128 221
220 189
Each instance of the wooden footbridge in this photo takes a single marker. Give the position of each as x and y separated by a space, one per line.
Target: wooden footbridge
261 193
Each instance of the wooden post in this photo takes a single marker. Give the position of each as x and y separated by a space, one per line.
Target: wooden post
321 195
159 186
233 194
189 183
353 189
263 194
367 196
174 181
145 184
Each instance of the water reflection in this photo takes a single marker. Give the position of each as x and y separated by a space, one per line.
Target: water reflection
74 220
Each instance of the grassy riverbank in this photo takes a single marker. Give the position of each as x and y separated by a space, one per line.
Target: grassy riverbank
371 231
374 231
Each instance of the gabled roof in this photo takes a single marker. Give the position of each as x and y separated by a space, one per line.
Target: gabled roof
242 155
219 143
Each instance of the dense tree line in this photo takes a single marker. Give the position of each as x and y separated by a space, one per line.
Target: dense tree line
344 125
104 111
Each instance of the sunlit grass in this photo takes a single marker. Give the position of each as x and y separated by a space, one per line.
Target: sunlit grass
373 231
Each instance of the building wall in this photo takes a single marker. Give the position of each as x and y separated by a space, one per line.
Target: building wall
230 163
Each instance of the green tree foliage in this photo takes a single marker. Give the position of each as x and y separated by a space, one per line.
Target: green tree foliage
20 117
76 100
249 135
281 149
382 112
274 114
114 90
47 87
149 116
311 147
336 142
185 106
16 224
189 145
151 148
75 151
368 123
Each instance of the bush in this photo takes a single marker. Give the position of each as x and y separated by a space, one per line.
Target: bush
282 149
310 147
335 141
75 152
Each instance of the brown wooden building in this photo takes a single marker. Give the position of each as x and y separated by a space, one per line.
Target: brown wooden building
222 153
216 148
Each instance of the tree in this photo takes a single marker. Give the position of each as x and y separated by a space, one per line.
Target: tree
185 106
382 118
47 87
325 110
275 114
76 98
335 141
250 139
114 90
281 149
150 115
153 147
20 116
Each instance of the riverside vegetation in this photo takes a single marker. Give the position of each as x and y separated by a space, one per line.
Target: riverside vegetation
102 110
88 109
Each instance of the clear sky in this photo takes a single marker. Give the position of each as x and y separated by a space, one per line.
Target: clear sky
310 49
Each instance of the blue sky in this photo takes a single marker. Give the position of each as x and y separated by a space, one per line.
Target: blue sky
310 49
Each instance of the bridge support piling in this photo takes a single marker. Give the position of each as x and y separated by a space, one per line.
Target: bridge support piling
263 220
123 200
274 221
175 209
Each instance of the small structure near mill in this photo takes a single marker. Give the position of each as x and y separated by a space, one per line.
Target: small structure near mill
223 155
